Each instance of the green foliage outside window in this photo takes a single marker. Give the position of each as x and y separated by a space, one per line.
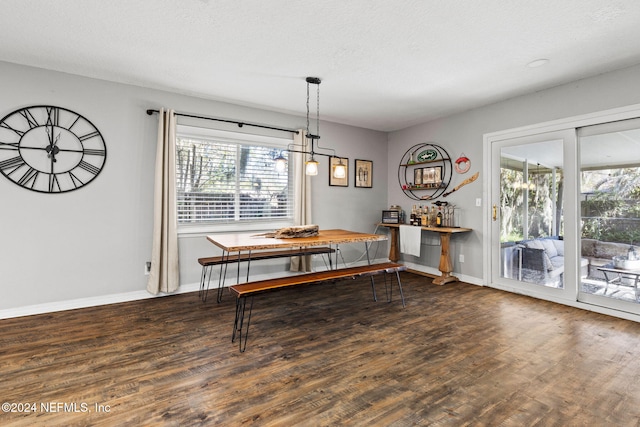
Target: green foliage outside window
611 209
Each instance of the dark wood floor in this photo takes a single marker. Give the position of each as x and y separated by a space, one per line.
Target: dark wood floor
326 355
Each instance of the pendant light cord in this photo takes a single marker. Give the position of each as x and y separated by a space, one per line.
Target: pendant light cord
318 111
315 143
317 83
308 110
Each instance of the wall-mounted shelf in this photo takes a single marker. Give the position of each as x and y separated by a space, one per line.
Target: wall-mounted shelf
421 163
425 171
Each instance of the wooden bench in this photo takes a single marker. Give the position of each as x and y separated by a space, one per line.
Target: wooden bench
248 290
208 263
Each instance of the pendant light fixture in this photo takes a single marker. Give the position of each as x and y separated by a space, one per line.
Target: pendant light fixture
312 164
281 163
311 167
339 170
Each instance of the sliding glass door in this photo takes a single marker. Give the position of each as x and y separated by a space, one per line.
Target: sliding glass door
564 220
610 214
527 216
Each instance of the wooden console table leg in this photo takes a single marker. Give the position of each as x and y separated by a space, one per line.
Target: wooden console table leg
394 250
445 266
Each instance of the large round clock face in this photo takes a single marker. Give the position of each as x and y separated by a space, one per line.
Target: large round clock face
50 149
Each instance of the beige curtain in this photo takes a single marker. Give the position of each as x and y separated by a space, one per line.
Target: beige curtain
302 197
164 275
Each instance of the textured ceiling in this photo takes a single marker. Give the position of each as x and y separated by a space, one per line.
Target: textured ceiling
384 64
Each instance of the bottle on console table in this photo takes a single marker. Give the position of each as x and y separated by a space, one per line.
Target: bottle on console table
439 218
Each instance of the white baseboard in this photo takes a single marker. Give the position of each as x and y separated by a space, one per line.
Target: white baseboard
51 307
435 272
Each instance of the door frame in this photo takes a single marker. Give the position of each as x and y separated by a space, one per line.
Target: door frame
569 290
571 205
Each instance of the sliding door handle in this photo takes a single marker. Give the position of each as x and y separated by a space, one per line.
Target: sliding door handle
495 212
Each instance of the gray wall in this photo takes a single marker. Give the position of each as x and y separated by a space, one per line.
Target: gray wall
89 246
464 133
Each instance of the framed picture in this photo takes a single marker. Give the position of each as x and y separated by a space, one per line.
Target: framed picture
340 180
432 177
428 176
363 173
437 175
417 177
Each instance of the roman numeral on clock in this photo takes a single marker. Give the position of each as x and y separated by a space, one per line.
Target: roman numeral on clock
53 115
11 165
54 184
89 167
29 177
88 136
6 126
92 152
9 145
75 180
29 118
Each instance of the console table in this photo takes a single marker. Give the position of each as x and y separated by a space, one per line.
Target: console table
445 266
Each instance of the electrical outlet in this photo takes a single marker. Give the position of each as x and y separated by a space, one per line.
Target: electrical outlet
147 268
461 258
478 202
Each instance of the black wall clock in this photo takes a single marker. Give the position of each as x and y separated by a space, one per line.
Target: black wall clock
50 149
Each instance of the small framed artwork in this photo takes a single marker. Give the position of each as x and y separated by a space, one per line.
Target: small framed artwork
438 175
428 176
417 177
432 177
339 171
363 173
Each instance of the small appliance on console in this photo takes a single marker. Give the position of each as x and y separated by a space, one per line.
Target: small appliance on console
395 215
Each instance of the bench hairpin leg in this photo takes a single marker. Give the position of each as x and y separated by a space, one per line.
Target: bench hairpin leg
223 274
388 287
240 302
400 287
206 290
373 288
238 325
203 277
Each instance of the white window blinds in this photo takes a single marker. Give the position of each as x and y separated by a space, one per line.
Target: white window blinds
226 177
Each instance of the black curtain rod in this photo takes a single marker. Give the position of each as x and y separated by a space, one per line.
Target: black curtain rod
240 124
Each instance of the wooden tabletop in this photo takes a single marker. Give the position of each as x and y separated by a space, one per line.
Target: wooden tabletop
235 242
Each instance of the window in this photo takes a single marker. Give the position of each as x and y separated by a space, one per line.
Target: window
230 178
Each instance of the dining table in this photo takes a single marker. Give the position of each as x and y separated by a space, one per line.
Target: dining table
236 244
